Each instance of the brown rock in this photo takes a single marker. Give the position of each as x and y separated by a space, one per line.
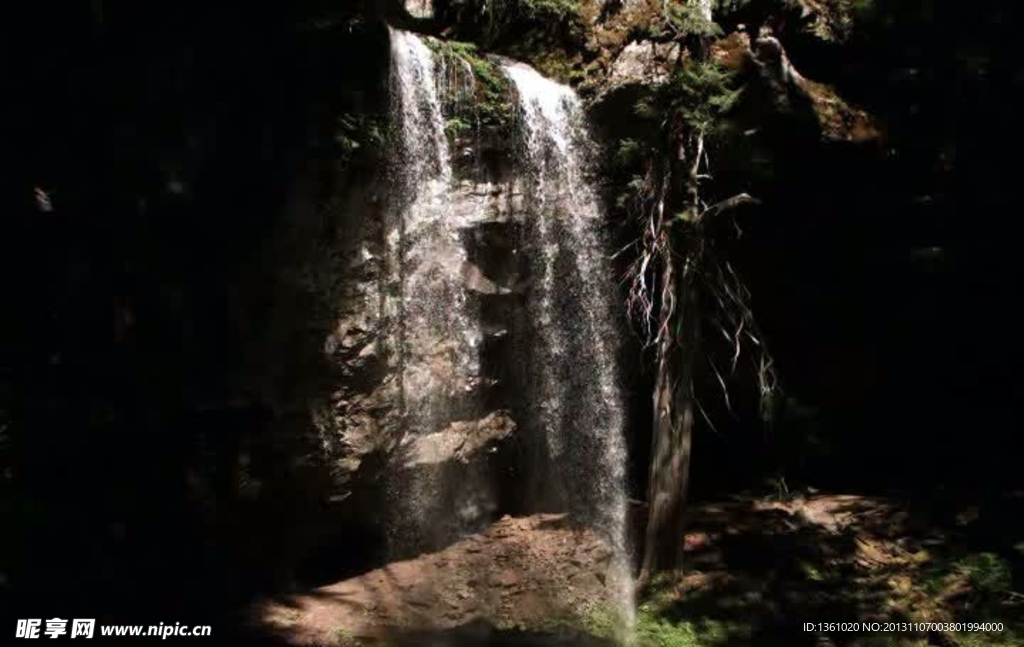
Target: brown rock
509 578
460 441
733 51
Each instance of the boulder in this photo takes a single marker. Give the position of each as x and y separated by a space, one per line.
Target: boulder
837 119
644 62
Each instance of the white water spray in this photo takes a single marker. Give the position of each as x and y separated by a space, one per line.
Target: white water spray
438 337
574 403
579 403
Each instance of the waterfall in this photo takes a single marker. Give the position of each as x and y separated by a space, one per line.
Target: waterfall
438 338
565 320
577 401
420 8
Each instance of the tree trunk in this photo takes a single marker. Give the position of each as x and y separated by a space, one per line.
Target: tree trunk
679 337
673 421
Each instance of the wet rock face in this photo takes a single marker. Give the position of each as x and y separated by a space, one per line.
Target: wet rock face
375 450
460 441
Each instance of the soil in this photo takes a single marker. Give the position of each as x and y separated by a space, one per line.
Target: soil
756 570
520 573
763 567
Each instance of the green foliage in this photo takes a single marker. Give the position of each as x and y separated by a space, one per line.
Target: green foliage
990 575
698 97
457 126
636 186
682 19
345 638
601 622
560 10
864 6
656 629
655 30
729 6
989 572
483 69
555 66
524 20
700 94
491 104
628 153
358 133
547 34
687 19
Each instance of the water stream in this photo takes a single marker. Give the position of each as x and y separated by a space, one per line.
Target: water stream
577 398
438 335
574 412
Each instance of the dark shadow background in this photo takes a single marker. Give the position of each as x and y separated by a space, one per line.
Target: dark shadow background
883 274
153 366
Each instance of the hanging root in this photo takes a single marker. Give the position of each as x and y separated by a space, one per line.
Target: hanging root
731 316
653 246
736 324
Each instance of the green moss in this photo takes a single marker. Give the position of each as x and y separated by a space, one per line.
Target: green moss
547 34
555 18
628 153
492 103
602 622
700 94
653 629
656 623
358 133
729 6
988 572
555 65
550 9
655 30
457 127
688 20
680 20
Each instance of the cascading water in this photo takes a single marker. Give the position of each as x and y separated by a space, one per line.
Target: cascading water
420 8
438 338
571 406
575 391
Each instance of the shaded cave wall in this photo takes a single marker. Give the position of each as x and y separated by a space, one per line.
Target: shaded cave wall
181 236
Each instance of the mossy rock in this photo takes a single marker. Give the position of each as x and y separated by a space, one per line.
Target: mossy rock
491 103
